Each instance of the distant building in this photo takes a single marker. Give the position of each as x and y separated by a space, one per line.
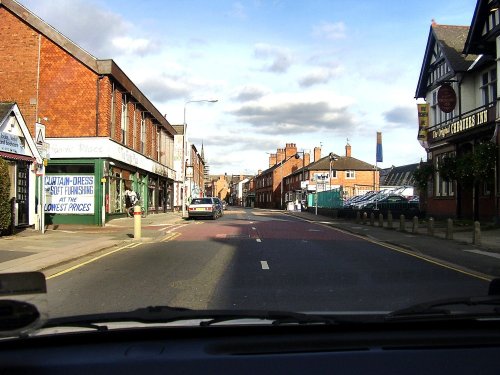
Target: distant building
354 176
268 184
398 176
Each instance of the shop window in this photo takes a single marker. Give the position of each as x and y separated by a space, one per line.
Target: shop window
151 197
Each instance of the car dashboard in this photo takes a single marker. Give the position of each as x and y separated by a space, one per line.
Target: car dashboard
456 347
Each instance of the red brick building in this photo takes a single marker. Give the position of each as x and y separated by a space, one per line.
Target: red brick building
333 171
99 125
268 184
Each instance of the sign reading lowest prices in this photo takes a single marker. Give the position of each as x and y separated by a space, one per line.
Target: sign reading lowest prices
69 194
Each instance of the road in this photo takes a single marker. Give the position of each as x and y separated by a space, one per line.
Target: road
254 259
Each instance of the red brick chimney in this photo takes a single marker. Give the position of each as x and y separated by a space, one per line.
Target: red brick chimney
272 160
348 150
317 153
307 159
290 150
280 155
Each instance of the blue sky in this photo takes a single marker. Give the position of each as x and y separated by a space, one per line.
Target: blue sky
313 73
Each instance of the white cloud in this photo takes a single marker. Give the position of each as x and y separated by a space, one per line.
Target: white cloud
94 28
331 31
321 75
280 58
291 114
250 92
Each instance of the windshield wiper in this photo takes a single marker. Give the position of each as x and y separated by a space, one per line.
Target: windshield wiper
441 307
167 314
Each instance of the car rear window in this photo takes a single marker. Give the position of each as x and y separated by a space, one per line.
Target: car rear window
201 201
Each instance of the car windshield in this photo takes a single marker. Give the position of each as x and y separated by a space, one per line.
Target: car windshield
348 151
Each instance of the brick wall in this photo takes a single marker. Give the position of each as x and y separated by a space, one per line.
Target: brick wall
18 70
63 96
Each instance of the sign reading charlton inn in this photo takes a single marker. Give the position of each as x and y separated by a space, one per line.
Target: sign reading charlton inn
69 194
462 125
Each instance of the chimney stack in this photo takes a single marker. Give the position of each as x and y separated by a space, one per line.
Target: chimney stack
348 150
290 150
280 155
272 160
307 159
317 153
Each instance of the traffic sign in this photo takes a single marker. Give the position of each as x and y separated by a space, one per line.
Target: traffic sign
39 133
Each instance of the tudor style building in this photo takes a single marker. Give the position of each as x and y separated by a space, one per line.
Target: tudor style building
104 135
457 120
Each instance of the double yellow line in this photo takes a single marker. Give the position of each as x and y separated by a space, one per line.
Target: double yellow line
129 246
170 237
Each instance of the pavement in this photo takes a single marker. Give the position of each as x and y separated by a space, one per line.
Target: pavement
30 250
460 252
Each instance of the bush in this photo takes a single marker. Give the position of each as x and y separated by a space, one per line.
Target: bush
5 210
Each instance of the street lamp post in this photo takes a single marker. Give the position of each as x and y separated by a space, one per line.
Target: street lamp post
184 146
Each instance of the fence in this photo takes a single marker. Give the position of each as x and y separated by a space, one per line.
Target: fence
326 199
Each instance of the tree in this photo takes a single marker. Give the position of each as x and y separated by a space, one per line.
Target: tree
5 209
423 174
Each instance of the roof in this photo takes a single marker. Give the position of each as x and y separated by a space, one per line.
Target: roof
342 163
476 42
400 176
5 109
8 108
105 67
178 128
451 39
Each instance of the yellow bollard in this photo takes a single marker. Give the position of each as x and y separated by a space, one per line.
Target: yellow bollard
137 222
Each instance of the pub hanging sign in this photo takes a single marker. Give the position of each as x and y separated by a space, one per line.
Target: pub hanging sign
446 98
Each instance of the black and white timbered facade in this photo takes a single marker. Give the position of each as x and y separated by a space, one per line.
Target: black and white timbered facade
457 95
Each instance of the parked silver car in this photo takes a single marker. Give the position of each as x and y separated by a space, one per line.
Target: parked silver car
205 207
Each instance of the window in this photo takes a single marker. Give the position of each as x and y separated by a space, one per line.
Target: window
442 188
333 174
124 118
489 86
143 132
350 174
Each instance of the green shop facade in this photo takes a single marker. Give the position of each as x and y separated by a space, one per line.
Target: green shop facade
86 178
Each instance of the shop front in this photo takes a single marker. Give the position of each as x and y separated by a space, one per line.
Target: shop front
23 160
87 180
456 148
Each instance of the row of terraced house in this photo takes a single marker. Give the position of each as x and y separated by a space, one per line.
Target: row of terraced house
77 132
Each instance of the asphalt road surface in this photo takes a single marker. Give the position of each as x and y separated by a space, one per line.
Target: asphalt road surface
255 259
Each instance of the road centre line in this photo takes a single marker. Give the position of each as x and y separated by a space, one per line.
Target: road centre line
477 275
264 265
128 246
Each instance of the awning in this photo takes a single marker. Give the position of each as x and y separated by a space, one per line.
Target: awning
11 156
